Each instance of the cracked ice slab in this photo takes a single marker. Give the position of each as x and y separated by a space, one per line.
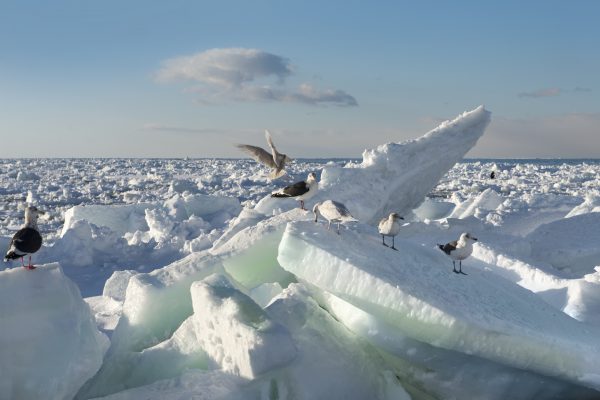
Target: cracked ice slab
415 291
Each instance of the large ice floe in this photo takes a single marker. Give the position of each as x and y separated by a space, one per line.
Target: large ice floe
49 342
208 288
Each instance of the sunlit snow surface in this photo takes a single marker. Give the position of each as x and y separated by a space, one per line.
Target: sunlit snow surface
203 295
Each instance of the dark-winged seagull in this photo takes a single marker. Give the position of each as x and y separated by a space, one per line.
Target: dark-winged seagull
390 226
301 191
458 250
27 240
274 160
333 211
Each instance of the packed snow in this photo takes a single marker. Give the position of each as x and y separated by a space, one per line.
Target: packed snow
185 279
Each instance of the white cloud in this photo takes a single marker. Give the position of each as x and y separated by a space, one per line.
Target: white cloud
225 67
234 74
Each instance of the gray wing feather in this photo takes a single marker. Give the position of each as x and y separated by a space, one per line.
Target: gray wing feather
258 154
274 152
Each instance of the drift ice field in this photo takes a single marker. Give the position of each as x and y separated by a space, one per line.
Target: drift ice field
183 279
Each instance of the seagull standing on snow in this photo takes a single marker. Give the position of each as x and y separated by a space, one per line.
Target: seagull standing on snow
302 190
458 250
333 211
27 240
274 160
390 226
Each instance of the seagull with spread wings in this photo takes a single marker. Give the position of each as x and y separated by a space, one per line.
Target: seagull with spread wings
274 160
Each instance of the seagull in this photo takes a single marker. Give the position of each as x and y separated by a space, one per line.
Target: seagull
458 250
390 226
302 190
27 240
274 160
333 211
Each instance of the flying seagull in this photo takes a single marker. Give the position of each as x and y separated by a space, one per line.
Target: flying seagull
458 250
27 240
302 190
390 226
333 211
274 160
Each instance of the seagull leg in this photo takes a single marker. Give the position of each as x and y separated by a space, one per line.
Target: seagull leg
329 225
338 231
30 266
454 267
302 204
460 268
383 239
393 242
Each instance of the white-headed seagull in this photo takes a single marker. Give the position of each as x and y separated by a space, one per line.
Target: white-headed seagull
390 226
301 191
27 240
333 211
458 250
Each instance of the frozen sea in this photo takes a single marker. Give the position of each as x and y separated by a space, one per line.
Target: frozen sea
58 184
183 278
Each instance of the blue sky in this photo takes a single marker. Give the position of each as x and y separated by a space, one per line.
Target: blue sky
191 78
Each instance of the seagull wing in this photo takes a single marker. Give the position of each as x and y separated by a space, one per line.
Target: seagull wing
278 158
449 247
270 141
258 154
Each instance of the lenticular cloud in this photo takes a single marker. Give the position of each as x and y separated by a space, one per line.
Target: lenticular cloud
234 73
225 67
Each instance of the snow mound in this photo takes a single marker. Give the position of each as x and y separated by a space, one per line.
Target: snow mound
415 291
569 244
119 218
49 343
488 200
590 204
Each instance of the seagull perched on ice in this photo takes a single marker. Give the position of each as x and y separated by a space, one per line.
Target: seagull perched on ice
390 226
302 190
333 211
458 250
274 160
27 240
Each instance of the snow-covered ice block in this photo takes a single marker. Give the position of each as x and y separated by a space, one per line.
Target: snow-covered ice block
414 290
49 342
487 200
590 204
396 177
433 209
569 244
236 332
107 312
116 286
119 218
215 209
